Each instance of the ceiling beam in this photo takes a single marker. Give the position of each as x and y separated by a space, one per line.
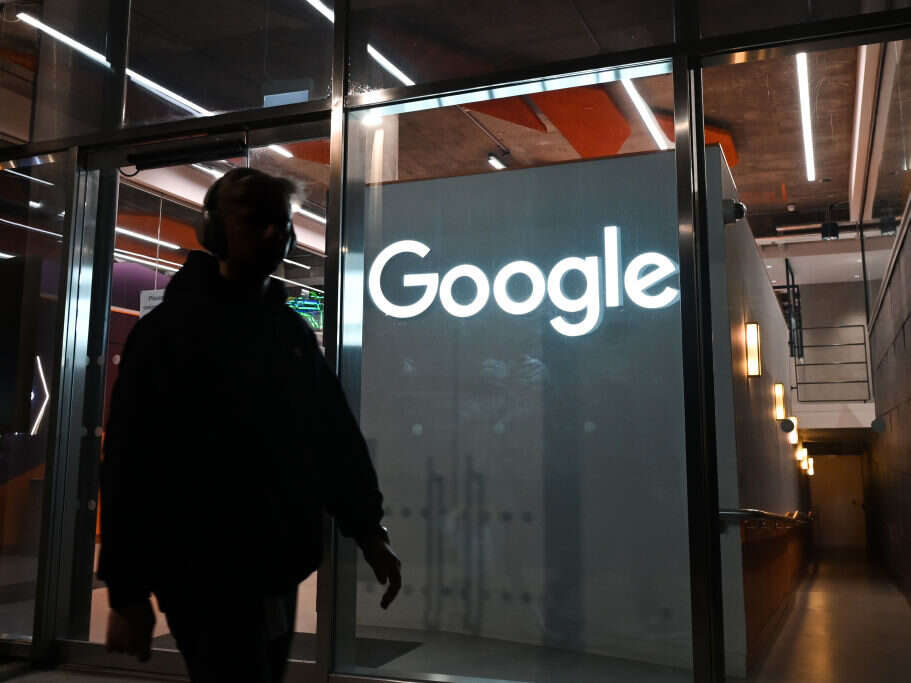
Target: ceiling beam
890 62
868 63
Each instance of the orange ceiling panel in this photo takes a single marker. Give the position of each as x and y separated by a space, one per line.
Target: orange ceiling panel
713 136
310 150
512 109
587 118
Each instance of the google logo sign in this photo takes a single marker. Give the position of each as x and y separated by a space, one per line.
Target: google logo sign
641 282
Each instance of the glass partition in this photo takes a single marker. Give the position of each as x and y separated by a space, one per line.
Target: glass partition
421 41
52 53
720 17
33 212
511 341
256 54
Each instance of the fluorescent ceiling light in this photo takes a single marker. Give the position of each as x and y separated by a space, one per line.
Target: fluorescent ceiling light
646 114
296 264
145 262
389 66
494 161
148 258
6 256
47 397
146 238
309 214
63 38
28 177
35 205
169 95
211 171
278 149
803 84
322 9
29 227
296 284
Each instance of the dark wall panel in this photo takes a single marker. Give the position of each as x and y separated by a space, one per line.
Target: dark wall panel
890 341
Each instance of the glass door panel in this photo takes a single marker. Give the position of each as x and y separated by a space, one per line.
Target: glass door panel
157 214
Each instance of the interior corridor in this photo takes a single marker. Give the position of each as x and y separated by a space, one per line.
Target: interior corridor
849 623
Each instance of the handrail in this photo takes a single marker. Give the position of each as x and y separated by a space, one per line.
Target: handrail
820 365
741 514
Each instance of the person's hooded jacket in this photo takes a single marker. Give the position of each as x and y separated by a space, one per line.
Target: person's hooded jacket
228 437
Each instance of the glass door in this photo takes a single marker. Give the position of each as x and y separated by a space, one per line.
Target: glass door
152 233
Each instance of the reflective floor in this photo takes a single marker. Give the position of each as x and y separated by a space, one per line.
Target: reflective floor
849 624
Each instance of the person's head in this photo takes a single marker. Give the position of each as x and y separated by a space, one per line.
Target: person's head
247 222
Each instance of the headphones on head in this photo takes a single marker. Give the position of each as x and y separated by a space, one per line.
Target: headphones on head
213 235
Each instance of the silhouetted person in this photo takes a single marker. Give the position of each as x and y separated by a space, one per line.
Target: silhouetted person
228 438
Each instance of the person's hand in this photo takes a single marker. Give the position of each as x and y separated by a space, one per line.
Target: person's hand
385 564
130 630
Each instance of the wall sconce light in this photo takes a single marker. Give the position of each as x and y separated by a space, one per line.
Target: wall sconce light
754 362
792 435
801 454
805 464
810 470
779 401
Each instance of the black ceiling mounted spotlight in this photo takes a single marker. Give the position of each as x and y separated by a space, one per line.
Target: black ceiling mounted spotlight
830 230
888 225
829 227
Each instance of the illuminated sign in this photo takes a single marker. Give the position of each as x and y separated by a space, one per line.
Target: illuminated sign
641 281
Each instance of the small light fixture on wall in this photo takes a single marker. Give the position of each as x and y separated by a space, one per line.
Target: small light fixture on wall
805 464
754 362
792 435
779 401
801 454
810 470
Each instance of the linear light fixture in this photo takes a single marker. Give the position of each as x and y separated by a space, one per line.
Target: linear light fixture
28 177
146 238
63 38
805 464
6 256
322 9
211 171
47 397
810 469
803 84
146 262
278 149
387 65
494 161
754 359
35 205
309 214
148 258
31 227
296 284
801 454
296 264
792 435
167 94
779 401
646 114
